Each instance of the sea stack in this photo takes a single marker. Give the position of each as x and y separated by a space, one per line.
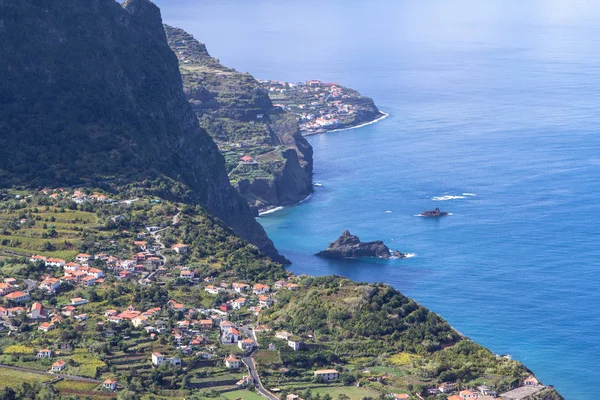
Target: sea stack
350 246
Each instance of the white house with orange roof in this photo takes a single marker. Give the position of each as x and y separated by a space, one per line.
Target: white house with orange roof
54 262
46 327
110 384
5 288
37 311
230 335
139 321
71 267
186 274
180 248
58 366
36 258
44 353
260 288
240 287
238 303
233 362
78 301
18 297
50 284
83 258
531 381
467 394
213 289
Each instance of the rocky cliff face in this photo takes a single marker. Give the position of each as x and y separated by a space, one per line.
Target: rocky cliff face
350 246
91 92
237 112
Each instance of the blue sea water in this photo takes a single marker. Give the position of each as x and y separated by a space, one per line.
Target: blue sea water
496 98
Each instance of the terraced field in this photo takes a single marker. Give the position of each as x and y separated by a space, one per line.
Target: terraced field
50 231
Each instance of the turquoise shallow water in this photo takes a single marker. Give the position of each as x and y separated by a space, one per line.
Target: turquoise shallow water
498 99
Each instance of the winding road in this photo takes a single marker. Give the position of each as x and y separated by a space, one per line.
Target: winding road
249 361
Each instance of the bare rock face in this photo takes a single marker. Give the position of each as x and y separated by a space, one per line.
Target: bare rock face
350 246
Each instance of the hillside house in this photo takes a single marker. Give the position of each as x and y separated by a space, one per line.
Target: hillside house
35 259
37 311
159 359
246 344
233 362
327 374
5 288
44 353
78 301
180 248
58 366
531 381
46 327
54 262
295 343
50 284
239 287
467 394
83 258
110 384
259 288
186 274
17 297
230 336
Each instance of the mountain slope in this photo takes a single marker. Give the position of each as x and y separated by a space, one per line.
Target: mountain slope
238 113
91 93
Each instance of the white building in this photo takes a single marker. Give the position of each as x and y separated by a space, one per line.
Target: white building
327 374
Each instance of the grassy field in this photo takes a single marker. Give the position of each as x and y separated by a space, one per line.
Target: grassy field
353 392
75 385
242 394
12 378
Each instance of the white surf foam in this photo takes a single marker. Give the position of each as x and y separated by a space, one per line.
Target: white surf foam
269 211
446 198
388 212
470 194
410 255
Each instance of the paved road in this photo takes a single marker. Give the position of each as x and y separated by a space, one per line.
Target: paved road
249 361
37 371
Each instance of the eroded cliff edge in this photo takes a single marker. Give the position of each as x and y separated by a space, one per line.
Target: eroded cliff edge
267 159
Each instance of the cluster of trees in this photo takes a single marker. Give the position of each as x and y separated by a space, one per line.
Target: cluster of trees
336 308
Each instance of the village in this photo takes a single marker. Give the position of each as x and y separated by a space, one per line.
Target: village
218 325
322 106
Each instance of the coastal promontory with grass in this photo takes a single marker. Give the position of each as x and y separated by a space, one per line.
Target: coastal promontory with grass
131 264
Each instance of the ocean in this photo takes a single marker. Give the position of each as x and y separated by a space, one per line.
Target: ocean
494 116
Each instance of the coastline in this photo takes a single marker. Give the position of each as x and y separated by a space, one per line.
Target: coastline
273 209
383 115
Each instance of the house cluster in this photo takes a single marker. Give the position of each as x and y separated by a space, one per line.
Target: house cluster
317 104
256 298
482 392
77 196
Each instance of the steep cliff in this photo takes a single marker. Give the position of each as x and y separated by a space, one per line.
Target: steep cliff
237 112
91 93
